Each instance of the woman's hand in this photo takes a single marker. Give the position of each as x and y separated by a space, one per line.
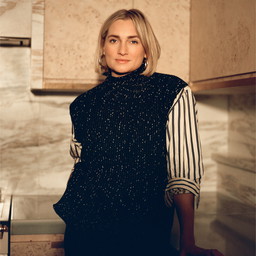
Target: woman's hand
184 204
197 251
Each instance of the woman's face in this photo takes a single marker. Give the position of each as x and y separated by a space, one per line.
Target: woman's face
123 50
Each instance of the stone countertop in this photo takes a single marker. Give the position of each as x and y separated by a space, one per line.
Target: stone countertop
35 215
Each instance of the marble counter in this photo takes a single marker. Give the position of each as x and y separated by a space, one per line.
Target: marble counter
35 215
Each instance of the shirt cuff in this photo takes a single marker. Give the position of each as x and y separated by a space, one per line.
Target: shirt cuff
181 186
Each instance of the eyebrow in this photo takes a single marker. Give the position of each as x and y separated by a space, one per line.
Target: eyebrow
130 37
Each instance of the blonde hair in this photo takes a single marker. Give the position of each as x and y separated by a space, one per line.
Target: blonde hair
145 33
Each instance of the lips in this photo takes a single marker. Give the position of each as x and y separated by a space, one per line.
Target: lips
122 61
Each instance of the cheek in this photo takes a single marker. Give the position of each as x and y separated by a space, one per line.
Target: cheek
140 55
107 50
110 53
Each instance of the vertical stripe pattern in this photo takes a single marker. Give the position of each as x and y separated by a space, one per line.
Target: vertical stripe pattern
184 154
75 148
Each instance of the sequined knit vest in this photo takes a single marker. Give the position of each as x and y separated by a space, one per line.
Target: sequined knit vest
121 125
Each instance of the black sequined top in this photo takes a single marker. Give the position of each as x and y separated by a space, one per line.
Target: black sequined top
121 125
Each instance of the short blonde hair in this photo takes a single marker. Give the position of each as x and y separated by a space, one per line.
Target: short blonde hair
145 33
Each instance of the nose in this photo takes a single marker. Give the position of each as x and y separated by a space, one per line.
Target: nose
122 50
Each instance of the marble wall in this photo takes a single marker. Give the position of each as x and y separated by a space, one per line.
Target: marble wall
242 126
237 168
34 131
213 128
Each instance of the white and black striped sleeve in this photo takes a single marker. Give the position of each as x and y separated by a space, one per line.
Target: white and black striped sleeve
184 155
75 148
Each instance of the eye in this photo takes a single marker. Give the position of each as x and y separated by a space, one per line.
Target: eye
134 41
112 40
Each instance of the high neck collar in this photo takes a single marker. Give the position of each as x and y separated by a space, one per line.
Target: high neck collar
126 78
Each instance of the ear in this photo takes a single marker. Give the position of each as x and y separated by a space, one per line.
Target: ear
103 49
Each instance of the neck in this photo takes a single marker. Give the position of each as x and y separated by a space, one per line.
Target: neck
118 74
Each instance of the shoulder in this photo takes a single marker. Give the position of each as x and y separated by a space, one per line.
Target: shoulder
168 83
78 100
84 98
170 79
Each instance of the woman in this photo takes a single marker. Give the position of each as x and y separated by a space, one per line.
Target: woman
136 150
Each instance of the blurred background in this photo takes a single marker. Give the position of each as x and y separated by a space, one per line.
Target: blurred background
47 59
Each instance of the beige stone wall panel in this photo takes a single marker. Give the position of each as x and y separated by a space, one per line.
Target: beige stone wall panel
222 38
15 18
71 32
170 21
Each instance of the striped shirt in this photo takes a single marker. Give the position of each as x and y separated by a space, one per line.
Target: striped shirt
184 154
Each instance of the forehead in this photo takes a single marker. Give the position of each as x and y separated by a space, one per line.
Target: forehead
122 27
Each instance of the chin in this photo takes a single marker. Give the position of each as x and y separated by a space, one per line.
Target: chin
122 70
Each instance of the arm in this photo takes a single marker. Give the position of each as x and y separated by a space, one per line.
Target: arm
184 204
185 169
184 156
75 149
